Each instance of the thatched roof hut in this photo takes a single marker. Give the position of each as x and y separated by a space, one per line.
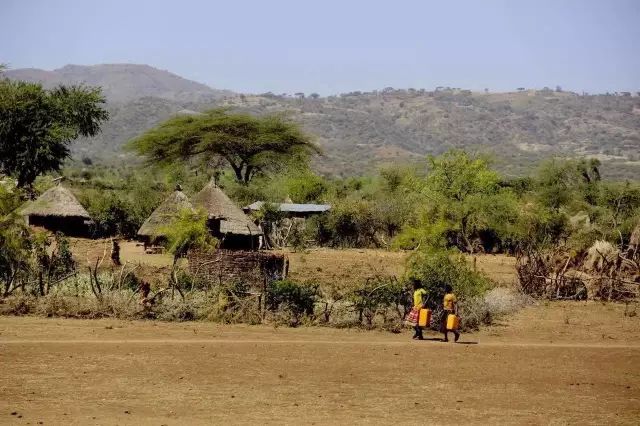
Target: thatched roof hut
220 207
57 202
57 209
164 215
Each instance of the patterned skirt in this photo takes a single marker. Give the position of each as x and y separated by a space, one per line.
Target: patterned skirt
412 317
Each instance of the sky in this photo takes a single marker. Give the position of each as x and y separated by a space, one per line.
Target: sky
331 47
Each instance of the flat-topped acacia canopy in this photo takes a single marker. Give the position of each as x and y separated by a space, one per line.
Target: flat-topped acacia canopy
249 144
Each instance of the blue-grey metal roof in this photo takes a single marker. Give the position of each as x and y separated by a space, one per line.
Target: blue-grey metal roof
292 207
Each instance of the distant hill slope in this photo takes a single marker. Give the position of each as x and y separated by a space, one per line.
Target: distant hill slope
360 131
123 82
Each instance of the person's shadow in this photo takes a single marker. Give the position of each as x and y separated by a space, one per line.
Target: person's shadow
440 339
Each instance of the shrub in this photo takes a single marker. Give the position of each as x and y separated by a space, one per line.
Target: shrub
113 214
496 303
21 304
436 268
298 299
232 302
380 297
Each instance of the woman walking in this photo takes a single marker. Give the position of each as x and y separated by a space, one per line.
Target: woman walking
449 307
419 302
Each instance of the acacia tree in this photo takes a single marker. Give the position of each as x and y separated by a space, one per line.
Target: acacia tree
37 126
249 144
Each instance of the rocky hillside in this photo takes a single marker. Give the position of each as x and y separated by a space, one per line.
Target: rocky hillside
359 131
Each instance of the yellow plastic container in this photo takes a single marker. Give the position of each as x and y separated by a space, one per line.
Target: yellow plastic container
424 318
453 321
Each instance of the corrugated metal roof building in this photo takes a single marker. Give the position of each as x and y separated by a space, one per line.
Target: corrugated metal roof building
292 209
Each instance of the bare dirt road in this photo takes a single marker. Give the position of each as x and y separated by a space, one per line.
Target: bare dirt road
556 364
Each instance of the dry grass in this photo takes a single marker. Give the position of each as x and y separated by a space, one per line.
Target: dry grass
348 266
323 266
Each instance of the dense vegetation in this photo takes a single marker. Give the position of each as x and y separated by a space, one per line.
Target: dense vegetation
37 126
452 201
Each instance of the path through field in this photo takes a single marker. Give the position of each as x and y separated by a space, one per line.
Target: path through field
558 364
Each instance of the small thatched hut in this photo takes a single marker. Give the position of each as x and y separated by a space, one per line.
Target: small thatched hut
153 229
58 210
226 221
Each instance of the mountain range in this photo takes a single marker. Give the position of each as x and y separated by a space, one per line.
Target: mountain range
359 131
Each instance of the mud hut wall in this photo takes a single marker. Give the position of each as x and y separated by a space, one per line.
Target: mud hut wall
73 226
251 267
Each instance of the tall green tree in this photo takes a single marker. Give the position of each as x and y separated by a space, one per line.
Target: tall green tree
37 126
248 144
463 201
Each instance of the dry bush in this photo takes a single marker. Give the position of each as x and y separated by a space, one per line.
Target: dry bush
532 268
496 303
196 305
377 303
113 304
600 256
58 305
19 304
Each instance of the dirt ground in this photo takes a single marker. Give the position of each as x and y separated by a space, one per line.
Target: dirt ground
557 363
131 252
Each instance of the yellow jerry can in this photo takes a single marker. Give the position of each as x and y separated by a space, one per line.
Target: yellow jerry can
453 321
424 318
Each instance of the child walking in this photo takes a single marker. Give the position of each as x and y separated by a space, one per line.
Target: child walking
419 301
450 306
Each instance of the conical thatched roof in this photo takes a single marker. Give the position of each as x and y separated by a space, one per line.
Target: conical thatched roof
165 214
219 206
56 201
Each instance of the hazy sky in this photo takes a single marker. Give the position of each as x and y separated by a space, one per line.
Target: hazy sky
331 46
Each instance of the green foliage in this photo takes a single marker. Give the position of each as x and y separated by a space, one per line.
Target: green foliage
27 258
10 198
121 199
250 145
112 215
37 126
189 232
298 183
352 223
558 183
464 206
119 212
299 299
305 187
437 268
51 263
15 242
15 251
376 297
